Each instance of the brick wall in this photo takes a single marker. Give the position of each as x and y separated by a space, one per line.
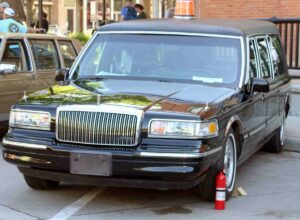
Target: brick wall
249 8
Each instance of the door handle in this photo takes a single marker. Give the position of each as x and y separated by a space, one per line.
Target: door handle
277 90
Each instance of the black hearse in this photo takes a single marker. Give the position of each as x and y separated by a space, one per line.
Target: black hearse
161 104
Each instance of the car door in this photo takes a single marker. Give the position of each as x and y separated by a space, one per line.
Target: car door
280 72
271 98
16 77
46 60
253 114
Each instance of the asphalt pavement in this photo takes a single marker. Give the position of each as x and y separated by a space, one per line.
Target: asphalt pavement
270 180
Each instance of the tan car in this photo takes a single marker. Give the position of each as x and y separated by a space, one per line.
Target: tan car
28 62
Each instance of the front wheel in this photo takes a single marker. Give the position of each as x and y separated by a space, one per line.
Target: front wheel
40 184
208 186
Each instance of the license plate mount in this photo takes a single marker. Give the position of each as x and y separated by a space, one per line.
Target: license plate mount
91 163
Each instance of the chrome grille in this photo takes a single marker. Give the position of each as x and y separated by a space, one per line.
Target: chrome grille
97 126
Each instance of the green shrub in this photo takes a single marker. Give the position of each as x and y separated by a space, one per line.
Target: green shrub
83 38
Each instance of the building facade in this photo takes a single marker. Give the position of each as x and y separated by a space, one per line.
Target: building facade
84 15
249 8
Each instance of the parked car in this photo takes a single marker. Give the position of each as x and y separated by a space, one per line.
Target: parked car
28 63
163 104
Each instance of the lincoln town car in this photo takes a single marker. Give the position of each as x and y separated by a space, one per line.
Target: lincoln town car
161 104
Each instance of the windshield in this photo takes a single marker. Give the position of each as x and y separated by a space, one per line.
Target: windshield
212 60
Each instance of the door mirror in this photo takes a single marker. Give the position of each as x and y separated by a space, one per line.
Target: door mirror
259 85
62 75
6 68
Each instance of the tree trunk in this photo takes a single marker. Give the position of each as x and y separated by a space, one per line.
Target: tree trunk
18 6
29 12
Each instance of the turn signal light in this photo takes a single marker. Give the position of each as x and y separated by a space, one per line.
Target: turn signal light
185 9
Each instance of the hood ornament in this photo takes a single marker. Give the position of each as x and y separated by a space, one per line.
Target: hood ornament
98 100
25 96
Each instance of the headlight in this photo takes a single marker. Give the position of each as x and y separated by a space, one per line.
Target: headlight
30 119
183 129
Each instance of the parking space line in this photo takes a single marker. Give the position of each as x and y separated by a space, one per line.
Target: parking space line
77 205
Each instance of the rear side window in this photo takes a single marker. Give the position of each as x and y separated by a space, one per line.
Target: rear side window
264 58
45 54
277 56
253 64
68 52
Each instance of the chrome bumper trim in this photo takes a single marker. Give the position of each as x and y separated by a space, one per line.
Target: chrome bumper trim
166 169
139 154
180 155
24 145
25 159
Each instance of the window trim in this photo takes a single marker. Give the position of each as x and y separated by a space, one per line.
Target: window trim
252 39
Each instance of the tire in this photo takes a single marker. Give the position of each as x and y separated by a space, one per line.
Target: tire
275 144
40 184
229 162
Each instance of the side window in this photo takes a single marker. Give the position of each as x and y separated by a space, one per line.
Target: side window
277 56
253 64
68 52
45 54
15 54
264 58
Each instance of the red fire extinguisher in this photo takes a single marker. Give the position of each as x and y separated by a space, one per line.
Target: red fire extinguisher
220 191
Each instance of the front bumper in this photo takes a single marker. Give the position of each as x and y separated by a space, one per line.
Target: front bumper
135 168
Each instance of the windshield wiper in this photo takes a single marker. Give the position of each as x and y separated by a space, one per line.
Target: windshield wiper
92 77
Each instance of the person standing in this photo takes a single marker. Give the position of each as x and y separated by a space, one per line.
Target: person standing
128 12
140 10
3 6
8 24
45 23
170 13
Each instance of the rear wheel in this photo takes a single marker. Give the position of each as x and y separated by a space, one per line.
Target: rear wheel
208 186
276 143
41 184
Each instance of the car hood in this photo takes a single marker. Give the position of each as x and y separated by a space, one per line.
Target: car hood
147 95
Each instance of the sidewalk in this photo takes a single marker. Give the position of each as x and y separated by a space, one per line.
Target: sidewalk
292 134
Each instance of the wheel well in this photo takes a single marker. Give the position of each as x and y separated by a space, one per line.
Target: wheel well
239 137
287 107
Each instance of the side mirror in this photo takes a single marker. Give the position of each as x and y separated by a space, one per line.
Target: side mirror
6 68
259 85
61 75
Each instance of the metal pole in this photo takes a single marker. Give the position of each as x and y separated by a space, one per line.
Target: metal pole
104 11
84 28
40 13
97 13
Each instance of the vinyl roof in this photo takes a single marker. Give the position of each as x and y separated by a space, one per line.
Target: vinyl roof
208 26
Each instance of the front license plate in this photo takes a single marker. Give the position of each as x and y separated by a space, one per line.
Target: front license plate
96 164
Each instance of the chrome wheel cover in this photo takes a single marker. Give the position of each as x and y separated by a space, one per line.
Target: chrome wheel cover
230 161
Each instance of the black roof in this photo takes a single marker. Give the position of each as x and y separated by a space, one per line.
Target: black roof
208 26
